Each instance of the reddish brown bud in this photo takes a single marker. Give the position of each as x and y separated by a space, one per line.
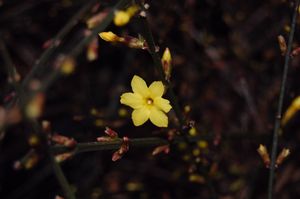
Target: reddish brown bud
282 156
63 157
282 44
161 149
295 52
123 149
111 133
63 140
263 152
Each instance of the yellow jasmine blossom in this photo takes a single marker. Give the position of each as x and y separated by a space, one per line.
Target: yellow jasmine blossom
147 102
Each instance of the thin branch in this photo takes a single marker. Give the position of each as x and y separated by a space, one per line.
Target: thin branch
82 44
280 103
115 144
148 142
55 42
34 124
44 59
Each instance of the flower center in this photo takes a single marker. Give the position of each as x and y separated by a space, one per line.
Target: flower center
149 101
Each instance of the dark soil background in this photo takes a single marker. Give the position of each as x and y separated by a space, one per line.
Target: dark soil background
227 67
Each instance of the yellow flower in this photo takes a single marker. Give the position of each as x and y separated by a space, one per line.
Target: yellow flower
147 102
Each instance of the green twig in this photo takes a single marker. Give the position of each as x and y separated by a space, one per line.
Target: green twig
280 102
115 144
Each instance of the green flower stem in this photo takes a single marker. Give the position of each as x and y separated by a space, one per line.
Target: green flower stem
280 102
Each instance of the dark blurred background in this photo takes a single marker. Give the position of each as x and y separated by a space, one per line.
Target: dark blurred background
227 69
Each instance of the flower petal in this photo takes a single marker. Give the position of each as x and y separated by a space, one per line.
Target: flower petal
139 86
158 117
133 100
140 116
162 104
156 89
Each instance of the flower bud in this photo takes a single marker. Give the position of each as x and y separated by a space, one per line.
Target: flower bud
110 37
166 63
282 156
282 44
121 18
263 152
291 111
165 149
35 106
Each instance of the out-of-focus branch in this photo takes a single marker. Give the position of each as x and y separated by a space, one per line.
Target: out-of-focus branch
280 102
55 42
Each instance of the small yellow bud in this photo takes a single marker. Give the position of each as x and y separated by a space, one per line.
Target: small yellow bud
123 112
291 111
94 112
62 157
33 140
35 106
92 50
262 151
68 66
282 44
193 131
196 178
287 28
132 10
31 161
282 156
187 109
110 37
121 18
166 56
166 63
134 186
196 152
202 144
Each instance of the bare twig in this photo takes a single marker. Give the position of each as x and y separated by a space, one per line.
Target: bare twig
280 102
55 42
